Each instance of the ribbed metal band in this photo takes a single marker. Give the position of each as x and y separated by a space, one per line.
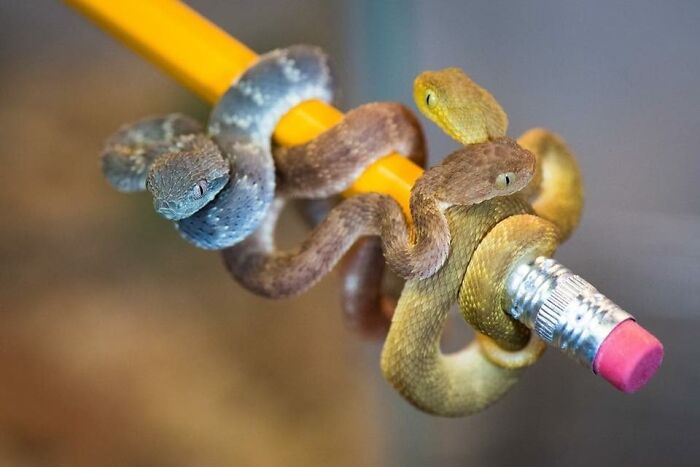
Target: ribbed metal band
562 308
552 312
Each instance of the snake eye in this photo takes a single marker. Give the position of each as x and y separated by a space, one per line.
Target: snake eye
199 189
504 180
430 99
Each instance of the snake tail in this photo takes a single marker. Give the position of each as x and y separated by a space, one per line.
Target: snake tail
129 153
556 190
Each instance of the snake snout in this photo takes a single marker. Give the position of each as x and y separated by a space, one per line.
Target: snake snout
170 210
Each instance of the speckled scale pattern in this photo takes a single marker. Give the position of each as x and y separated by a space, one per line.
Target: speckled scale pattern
460 383
416 251
332 161
242 124
259 266
130 152
482 296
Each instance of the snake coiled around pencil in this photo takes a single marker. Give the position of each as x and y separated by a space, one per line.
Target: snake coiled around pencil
224 188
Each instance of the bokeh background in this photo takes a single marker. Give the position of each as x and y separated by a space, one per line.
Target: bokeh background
120 345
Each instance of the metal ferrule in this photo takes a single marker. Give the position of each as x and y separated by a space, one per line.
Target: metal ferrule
563 309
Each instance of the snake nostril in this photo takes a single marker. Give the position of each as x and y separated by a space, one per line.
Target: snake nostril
165 209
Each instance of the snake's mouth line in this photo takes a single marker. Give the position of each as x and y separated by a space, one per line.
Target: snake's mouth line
170 212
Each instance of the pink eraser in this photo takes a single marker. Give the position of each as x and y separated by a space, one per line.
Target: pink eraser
628 357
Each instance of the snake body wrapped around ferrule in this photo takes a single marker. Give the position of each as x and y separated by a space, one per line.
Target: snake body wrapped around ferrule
467 381
509 286
489 241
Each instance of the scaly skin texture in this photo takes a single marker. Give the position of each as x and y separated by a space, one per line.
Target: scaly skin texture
487 244
462 108
419 252
130 152
411 360
556 191
467 381
219 191
467 232
332 161
482 297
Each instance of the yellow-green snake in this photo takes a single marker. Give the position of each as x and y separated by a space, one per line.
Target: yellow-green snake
488 240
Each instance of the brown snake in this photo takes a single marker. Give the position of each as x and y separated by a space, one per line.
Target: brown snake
470 175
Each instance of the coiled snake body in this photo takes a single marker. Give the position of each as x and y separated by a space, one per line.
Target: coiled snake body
218 187
224 192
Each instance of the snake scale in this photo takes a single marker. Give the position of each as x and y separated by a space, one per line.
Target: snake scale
225 186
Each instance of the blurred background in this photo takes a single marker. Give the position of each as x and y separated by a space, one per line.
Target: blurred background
121 345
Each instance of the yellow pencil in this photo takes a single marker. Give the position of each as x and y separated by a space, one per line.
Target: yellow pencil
206 59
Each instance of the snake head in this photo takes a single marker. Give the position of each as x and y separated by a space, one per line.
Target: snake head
184 180
463 109
479 172
501 168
